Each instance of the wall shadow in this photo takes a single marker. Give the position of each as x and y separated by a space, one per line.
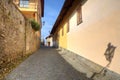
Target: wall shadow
109 54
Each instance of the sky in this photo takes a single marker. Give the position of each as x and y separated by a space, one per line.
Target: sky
52 9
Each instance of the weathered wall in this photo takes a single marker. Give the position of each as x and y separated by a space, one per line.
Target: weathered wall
101 25
16 34
12 30
32 39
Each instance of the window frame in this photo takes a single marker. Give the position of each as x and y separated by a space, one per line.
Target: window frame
68 26
24 3
79 15
62 31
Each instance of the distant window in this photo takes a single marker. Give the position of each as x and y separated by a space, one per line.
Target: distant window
58 35
62 31
79 15
68 27
24 3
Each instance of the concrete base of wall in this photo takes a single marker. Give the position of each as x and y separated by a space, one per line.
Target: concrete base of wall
91 69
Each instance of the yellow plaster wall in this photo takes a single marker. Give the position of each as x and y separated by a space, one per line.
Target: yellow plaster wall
63 38
30 10
101 25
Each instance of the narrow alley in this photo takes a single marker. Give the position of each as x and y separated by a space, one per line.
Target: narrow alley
45 64
59 40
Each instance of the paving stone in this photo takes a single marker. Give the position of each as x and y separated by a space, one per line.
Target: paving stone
46 64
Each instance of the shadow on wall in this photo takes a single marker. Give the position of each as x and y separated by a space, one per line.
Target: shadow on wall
109 54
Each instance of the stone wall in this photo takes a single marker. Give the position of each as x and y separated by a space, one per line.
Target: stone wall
17 38
32 38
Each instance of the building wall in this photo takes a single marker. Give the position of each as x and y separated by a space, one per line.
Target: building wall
17 38
32 40
63 35
61 39
50 39
32 11
56 39
101 25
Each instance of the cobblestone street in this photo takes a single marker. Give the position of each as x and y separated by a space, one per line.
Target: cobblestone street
45 64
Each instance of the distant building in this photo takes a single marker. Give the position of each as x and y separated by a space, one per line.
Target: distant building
85 27
49 41
32 9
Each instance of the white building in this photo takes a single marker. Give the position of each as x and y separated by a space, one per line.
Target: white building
49 41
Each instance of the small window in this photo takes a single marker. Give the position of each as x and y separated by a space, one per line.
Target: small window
62 31
58 35
68 27
24 3
79 15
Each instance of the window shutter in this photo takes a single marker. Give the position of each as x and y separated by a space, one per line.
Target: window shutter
79 15
68 27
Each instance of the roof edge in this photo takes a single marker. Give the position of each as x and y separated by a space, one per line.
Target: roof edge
67 4
42 7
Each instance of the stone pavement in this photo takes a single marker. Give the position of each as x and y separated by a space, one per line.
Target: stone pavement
45 64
